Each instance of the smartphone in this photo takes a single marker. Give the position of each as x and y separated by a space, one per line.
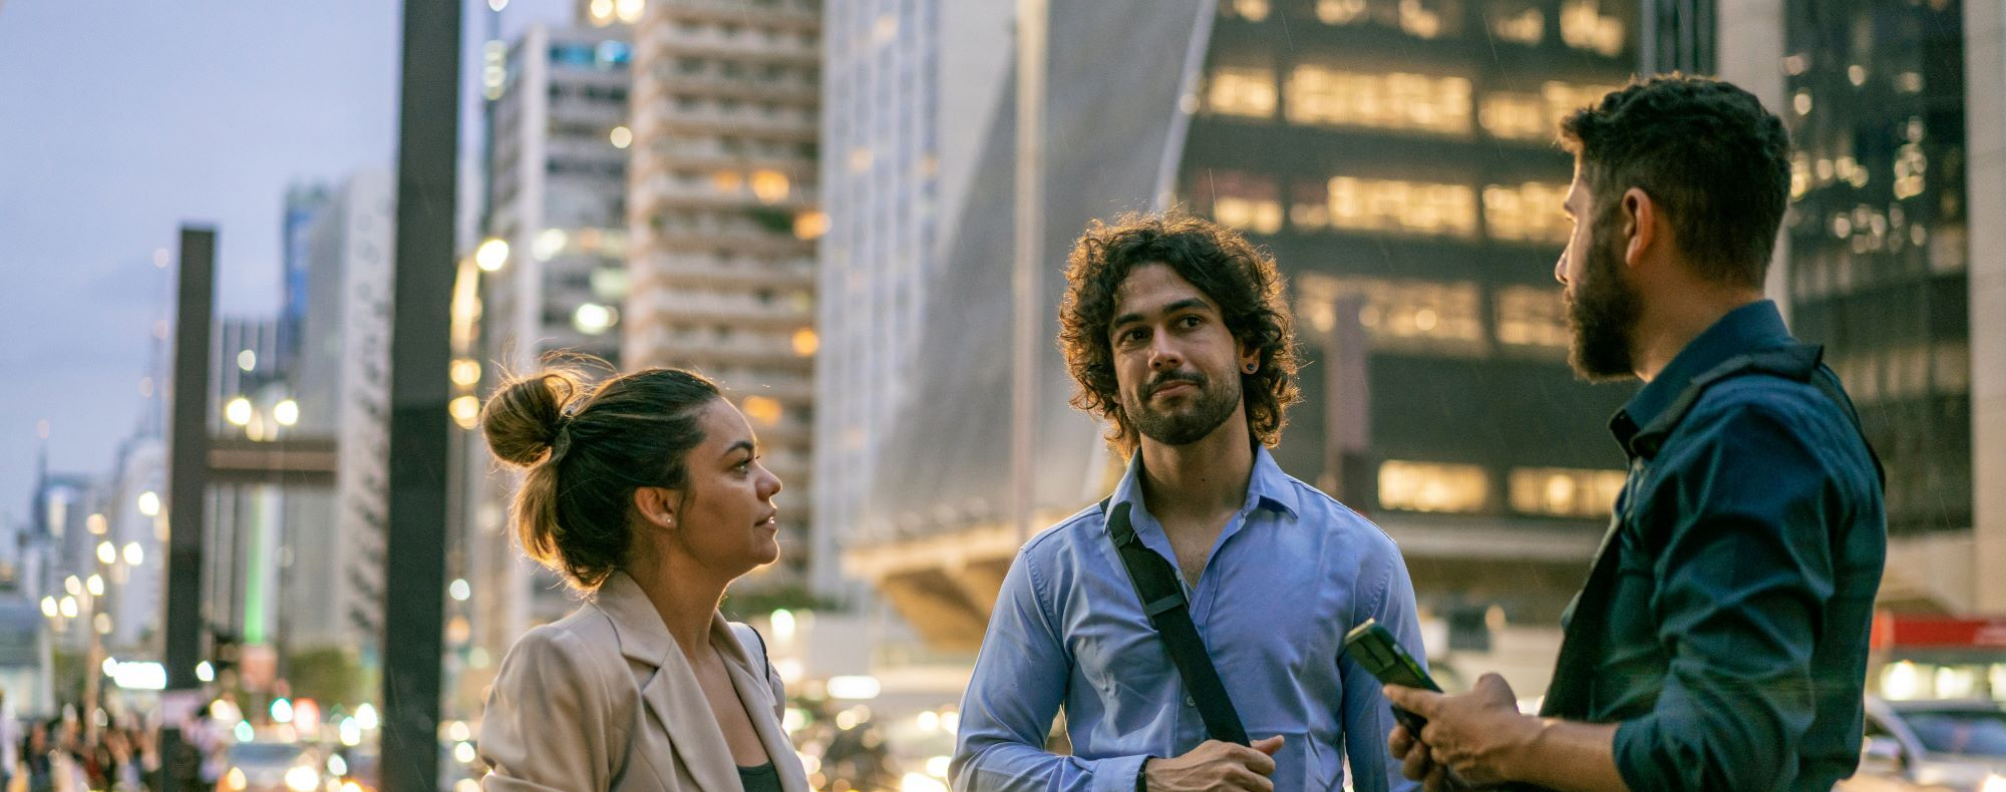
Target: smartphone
1374 647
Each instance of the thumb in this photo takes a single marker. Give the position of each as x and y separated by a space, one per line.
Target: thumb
1415 700
1268 746
1495 688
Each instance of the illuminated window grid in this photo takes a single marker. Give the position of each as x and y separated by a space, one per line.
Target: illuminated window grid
1584 27
1320 95
1248 92
1433 487
1528 212
1565 492
1430 315
1514 115
1532 317
1402 207
1242 200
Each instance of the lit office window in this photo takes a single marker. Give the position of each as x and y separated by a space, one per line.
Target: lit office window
1419 102
1952 368
1405 207
1247 201
1529 212
1341 12
1433 487
1248 92
1584 27
1518 22
1532 316
1565 492
1250 10
1511 115
1406 313
1419 20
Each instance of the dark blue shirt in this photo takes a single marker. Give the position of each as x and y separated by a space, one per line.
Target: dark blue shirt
1734 594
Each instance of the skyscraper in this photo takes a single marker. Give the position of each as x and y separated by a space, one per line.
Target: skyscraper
908 91
1895 263
723 222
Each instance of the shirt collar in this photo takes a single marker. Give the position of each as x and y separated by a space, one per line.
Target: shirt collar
1757 325
1268 487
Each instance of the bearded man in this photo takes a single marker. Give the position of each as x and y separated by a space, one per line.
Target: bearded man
1720 642
1176 332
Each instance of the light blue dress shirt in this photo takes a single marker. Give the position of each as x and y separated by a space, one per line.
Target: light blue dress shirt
1290 575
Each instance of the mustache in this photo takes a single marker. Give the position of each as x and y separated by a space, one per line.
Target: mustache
1170 377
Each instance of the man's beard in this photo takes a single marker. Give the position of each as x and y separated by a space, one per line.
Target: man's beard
1602 315
1202 412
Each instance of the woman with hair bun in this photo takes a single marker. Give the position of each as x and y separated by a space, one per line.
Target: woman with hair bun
646 493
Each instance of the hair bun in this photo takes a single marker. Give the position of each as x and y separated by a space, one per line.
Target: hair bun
522 418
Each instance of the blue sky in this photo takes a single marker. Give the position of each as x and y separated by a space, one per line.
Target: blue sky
119 122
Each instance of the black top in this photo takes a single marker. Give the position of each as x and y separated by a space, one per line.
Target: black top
1725 623
764 778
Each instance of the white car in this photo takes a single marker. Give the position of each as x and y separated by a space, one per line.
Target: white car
1952 746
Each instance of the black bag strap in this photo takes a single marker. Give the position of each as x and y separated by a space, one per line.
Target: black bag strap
1162 598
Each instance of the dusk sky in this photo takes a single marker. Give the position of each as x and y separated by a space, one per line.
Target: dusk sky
121 122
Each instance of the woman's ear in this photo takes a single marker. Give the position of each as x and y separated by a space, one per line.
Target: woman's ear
656 505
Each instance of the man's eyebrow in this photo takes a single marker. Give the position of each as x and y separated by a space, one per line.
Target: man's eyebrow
1185 304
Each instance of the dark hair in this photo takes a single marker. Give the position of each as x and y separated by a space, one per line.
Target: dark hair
1704 150
586 449
1219 262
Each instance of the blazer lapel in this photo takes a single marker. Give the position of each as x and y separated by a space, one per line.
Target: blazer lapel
757 695
671 695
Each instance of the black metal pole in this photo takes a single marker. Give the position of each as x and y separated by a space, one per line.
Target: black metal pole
188 473
420 351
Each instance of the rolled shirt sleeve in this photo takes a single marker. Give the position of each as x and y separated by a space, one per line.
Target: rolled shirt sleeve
1743 565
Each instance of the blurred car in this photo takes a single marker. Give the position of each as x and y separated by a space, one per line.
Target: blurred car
272 767
1946 746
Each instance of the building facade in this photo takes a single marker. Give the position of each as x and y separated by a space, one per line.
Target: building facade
723 224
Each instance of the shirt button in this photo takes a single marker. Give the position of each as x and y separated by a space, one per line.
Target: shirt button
1190 702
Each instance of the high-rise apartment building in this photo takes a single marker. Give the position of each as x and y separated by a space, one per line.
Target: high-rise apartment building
723 222
341 389
552 276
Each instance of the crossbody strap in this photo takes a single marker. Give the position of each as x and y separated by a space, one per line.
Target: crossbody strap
1162 598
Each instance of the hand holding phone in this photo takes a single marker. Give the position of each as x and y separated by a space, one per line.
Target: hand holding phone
1374 647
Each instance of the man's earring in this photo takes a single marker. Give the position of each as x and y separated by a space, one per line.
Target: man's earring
1253 367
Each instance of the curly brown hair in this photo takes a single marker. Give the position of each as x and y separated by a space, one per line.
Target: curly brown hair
1240 278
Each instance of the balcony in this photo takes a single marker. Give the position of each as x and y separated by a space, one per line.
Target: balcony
697 271
749 44
797 16
665 346
671 192
669 84
788 123
730 310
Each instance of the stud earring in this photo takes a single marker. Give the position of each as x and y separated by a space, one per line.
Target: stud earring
1253 367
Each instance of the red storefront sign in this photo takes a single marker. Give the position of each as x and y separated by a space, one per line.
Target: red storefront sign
1918 632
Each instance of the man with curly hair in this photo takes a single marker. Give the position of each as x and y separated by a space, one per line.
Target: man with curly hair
1720 642
1177 335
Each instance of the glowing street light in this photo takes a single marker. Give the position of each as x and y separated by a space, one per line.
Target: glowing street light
134 554
149 503
49 607
238 411
107 553
286 412
95 585
492 255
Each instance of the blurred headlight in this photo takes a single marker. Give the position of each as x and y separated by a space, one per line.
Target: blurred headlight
234 781
1993 783
302 778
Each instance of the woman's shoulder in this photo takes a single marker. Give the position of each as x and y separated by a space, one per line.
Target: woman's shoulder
579 647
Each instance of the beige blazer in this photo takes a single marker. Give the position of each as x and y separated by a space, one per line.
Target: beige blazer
604 700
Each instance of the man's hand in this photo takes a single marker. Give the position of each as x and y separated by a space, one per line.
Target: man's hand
1417 763
1215 765
1475 735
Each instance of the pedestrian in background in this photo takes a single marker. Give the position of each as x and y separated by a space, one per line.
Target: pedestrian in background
1177 334
647 494
1720 642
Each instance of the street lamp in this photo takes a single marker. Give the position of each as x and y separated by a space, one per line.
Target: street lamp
286 412
134 554
238 411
